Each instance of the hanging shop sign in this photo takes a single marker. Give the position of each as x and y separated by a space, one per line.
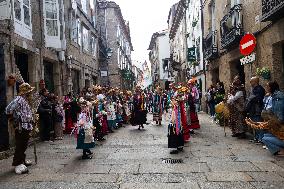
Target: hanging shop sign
104 74
191 57
248 59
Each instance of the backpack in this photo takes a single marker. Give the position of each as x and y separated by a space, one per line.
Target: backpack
278 105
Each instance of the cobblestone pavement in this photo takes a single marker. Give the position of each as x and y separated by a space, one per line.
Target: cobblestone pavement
131 159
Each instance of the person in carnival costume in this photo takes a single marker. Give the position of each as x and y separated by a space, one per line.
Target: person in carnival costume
102 111
158 106
138 116
175 128
111 114
85 138
21 111
236 102
192 98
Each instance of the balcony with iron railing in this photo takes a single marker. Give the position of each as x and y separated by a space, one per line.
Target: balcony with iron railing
232 27
210 46
272 10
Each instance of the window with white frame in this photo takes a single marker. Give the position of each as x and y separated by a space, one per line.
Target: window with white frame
22 15
22 11
27 12
93 11
74 30
85 33
5 12
79 31
118 31
118 58
52 17
93 45
84 4
18 10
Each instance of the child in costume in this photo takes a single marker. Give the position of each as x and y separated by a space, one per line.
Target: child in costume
85 138
111 116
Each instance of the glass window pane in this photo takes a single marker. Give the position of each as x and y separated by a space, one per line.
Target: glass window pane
17 8
27 3
51 10
52 28
27 17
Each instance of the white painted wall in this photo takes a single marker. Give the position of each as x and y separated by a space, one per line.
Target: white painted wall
195 33
164 52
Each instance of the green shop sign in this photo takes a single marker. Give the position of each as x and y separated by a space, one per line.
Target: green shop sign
191 56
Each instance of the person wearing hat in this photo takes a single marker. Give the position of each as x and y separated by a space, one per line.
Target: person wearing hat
192 106
85 139
21 111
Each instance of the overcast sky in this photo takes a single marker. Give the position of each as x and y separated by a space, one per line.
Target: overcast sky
146 17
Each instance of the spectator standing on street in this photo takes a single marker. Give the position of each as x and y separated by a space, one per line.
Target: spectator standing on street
211 101
58 119
236 102
254 105
45 116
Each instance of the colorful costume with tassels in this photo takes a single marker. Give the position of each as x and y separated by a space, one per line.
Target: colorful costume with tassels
184 123
175 129
157 108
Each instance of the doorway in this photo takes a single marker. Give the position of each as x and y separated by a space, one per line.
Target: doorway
237 69
4 133
48 76
75 81
22 62
215 75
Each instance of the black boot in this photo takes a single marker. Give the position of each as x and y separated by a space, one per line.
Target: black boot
89 152
85 154
174 152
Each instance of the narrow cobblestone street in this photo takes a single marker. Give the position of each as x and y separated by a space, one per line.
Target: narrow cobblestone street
134 159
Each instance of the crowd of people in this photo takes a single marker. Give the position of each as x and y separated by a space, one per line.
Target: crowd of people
261 112
98 111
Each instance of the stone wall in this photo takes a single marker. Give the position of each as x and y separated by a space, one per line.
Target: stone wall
269 45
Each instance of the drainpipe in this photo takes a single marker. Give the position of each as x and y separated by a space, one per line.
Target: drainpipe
41 38
202 33
186 45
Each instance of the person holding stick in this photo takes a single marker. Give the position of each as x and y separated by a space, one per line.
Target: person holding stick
21 112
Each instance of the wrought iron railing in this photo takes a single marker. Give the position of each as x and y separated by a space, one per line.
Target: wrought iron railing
272 9
210 45
231 27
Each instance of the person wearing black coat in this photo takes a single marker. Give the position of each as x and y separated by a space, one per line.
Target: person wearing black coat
45 116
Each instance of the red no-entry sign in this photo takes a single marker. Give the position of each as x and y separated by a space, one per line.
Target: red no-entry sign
247 44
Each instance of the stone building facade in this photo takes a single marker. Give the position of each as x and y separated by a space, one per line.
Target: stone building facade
36 39
223 28
82 45
115 38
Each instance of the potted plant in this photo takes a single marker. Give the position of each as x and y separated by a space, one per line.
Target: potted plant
263 72
11 80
